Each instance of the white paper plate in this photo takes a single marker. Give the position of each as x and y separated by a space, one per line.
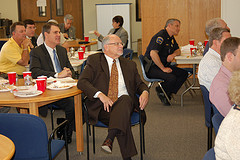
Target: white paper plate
27 95
57 89
5 90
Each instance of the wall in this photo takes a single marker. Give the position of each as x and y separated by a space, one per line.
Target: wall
90 20
9 9
230 12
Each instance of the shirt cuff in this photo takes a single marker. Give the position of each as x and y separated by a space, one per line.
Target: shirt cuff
96 94
56 75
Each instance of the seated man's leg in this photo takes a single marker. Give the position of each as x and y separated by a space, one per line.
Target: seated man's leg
181 75
120 125
169 78
67 104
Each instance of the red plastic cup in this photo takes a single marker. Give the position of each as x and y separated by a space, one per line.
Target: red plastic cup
84 48
191 42
12 77
205 42
191 49
86 38
43 77
80 54
27 73
41 84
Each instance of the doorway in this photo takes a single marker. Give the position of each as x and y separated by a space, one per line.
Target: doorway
54 9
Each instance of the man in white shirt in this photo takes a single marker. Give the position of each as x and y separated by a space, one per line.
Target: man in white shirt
50 59
211 62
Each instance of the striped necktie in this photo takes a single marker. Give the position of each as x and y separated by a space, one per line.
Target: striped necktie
57 64
113 83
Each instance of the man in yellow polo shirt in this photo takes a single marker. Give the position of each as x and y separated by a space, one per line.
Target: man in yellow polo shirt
14 54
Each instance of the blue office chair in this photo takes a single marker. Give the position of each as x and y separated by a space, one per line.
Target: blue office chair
210 155
216 121
152 81
128 53
208 114
135 120
29 134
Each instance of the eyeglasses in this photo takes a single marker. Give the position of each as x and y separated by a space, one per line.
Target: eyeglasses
116 43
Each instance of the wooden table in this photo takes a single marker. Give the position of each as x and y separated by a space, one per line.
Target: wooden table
7 148
185 59
33 103
75 44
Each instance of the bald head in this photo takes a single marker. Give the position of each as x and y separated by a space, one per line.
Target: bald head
215 23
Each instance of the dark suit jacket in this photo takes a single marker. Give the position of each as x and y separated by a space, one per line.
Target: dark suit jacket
41 63
95 77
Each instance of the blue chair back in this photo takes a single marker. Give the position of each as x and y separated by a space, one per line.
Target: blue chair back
210 155
207 106
128 53
216 121
28 133
1 44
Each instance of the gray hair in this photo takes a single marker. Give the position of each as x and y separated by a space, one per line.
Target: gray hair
68 16
216 34
170 21
211 24
105 41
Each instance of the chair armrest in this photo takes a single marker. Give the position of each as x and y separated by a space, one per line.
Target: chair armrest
64 125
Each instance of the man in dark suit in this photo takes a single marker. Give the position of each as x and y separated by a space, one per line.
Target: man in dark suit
50 59
116 113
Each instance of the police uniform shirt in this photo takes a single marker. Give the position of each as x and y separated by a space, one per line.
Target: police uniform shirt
164 44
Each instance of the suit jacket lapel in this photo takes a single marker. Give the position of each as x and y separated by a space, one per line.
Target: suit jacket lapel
105 65
48 58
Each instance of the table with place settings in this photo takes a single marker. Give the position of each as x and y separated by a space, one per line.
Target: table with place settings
193 60
30 104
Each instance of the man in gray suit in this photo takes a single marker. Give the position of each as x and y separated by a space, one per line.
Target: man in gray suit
117 23
66 28
50 59
94 82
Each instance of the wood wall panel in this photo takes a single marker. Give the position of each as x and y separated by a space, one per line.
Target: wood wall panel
193 15
29 10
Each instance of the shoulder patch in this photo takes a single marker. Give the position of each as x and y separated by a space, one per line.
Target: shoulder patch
159 40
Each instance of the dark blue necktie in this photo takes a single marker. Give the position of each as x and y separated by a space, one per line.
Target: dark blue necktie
57 64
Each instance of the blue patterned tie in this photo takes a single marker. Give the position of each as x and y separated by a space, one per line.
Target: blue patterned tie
57 64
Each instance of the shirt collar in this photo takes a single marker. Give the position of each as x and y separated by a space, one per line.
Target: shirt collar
109 59
50 50
226 71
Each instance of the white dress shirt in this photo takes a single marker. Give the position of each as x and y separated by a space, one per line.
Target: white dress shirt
122 90
209 67
50 51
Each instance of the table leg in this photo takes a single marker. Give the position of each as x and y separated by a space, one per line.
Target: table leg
193 84
23 110
33 109
78 122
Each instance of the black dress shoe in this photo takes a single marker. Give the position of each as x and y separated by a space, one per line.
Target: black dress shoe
164 100
107 145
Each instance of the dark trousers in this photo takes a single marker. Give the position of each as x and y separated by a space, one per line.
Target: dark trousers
120 118
172 81
66 104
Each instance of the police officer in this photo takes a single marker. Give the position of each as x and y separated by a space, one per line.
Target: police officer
160 52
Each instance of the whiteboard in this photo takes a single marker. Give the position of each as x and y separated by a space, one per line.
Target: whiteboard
105 14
